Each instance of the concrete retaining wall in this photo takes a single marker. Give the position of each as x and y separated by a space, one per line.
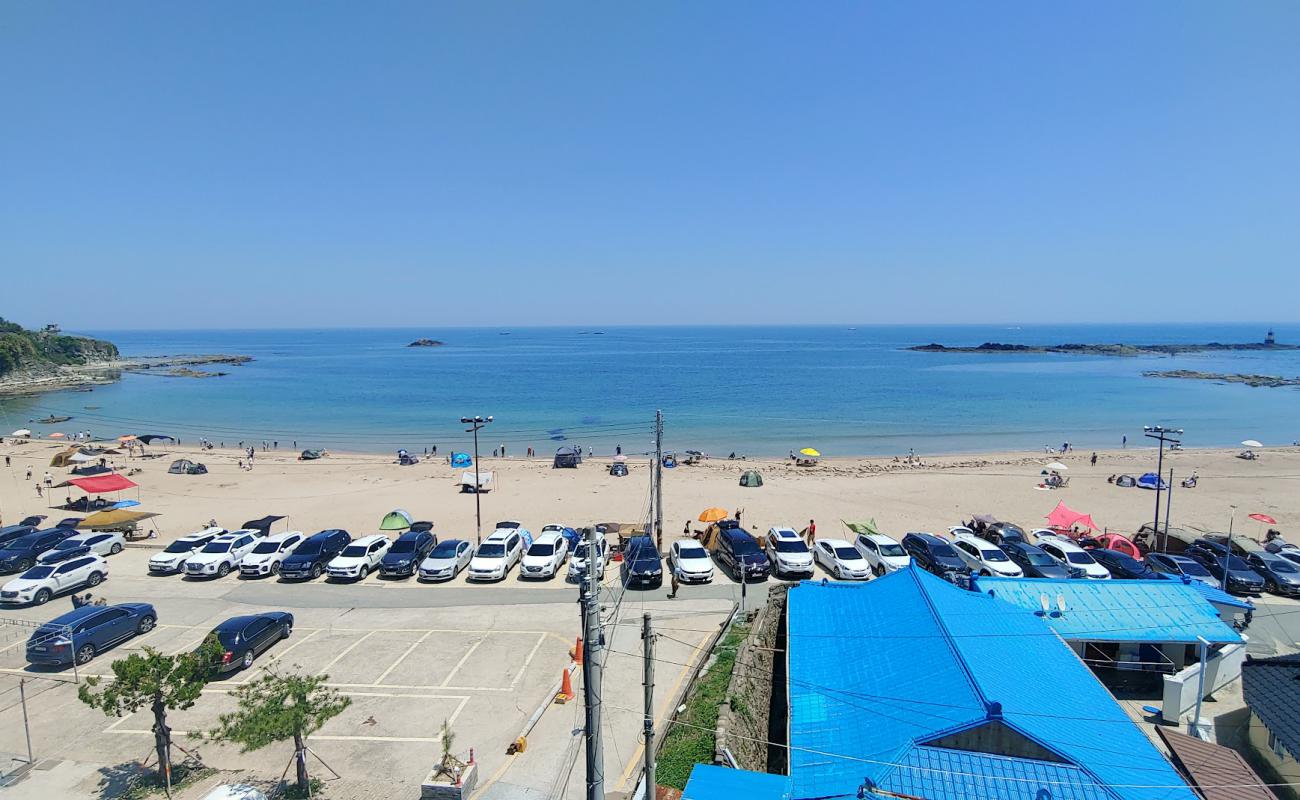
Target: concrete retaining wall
743 720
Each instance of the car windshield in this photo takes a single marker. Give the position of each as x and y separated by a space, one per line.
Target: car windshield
892 550
847 554
1040 559
266 547
444 550
403 546
993 555
1280 565
68 544
692 552
1233 563
492 550
1190 567
310 547
542 549
1079 557
16 544
179 547
744 546
38 572
354 551
580 552
217 547
790 546
944 551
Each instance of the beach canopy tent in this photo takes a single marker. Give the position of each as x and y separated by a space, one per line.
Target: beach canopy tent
115 518
263 524
150 438
484 482
1064 518
101 483
867 528
21 432
310 455
566 457
70 456
399 519
81 458
461 460
751 479
183 466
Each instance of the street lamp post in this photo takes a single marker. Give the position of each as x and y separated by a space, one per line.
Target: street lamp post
477 424
1162 435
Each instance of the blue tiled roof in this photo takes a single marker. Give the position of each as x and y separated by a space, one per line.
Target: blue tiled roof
1220 597
880 670
1151 611
720 783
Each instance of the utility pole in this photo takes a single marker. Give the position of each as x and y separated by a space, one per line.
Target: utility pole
22 698
648 646
591 667
1169 501
659 481
1162 435
477 424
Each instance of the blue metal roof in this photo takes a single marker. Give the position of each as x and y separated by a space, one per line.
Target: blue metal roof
1149 611
1220 597
709 782
879 671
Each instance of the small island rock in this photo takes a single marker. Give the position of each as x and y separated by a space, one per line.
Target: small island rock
425 343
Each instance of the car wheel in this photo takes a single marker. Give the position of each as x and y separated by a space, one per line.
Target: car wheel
145 625
984 573
85 653
285 630
95 579
247 660
42 597
223 570
25 564
363 572
115 549
316 571
878 571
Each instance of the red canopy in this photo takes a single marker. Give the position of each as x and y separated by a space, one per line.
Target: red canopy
102 483
1264 518
1065 517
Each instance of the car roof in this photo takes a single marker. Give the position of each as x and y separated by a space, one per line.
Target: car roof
1063 543
879 538
928 538
327 533
548 537
835 543
414 535
370 539
230 537
971 538
784 533
235 622
31 538
687 543
280 537
78 614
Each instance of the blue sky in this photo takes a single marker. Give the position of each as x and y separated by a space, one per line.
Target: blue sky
250 164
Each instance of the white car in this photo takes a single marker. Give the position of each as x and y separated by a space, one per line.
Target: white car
1073 557
984 558
882 552
578 563
841 559
173 557
359 558
221 555
446 560
788 554
545 557
101 543
43 581
498 553
690 562
269 552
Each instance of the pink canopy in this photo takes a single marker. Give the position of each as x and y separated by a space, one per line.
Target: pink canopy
1065 517
102 483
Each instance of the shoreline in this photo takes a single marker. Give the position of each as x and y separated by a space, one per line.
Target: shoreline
72 377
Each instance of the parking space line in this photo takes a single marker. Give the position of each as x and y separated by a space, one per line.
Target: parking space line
418 686
459 708
463 659
277 656
403 656
528 661
345 651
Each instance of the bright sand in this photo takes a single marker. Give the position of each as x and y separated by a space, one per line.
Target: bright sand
354 491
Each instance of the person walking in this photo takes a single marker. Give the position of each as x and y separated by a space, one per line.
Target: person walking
29 473
738 512
6 461
49 479
811 530
1093 460
673 594
1124 441
39 493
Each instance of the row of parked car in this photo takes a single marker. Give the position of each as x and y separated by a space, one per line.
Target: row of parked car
53 561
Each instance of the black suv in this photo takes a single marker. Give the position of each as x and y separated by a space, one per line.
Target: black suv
404 557
937 556
738 552
309 559
1122 565
642 563
1033 561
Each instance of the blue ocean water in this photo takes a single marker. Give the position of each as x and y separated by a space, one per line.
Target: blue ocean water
751 390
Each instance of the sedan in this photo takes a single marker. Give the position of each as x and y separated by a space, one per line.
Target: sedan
1281 576
1180 566
81 634
1033 561
1234 573
446 560
842 560
101 543
1122 565
690 562
245 637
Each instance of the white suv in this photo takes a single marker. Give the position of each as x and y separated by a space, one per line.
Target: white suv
545 556
359 558
40 583
173 557
788 554
578 563
267 555
498 553
221 555
984 558
882 553
690 561
1072 557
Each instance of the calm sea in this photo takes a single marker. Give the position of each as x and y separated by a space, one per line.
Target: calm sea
751 390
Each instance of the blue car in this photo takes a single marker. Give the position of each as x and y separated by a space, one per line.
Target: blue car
19 555
404 557
10 532
82 634
243 638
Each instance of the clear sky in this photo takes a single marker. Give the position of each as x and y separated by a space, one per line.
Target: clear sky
253 164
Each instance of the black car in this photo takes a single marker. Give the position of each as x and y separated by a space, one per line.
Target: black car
642 563
1181 566
936 556
308 561
738 552
404 557
243 638
69 522
20 554
1033 561
1000 532
1281 576
1122 565
11 532
34 521
1234 573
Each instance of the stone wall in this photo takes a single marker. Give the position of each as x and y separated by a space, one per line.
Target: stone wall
744 719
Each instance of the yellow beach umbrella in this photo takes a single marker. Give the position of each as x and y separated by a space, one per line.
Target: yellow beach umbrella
714 514
808 451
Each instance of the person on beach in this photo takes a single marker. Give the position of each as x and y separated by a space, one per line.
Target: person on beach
738 515
29 473
686 529
1124 441
811 532
6 461
38 491
1093 460
503 450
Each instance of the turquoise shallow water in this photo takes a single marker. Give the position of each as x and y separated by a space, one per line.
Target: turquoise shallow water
752 390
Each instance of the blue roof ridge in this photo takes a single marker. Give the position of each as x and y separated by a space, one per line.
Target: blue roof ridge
948 637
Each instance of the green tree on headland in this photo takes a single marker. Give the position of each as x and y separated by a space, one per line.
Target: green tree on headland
20 348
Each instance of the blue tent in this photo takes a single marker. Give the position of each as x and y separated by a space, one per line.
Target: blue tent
1151 481
461 460
572 537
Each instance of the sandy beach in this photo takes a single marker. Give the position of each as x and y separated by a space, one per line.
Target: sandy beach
353 491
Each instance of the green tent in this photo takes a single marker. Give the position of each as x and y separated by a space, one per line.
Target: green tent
868 527
399 519
751 479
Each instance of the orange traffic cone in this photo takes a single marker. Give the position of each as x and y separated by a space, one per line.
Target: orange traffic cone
575 652
566 689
